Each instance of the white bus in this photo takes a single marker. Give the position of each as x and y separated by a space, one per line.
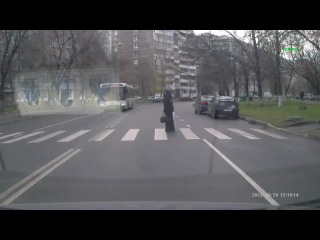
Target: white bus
117 95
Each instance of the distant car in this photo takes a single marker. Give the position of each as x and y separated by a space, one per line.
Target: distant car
201 103
158 99
151 98
223 106
267 95
186 99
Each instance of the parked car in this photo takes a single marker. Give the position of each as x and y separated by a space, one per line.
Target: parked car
267 95
157 99
201 103
223 106
186 99
151 98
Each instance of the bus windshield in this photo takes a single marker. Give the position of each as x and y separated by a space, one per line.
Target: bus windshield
112 93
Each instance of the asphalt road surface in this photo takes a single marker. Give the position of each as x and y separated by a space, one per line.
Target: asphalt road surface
128 157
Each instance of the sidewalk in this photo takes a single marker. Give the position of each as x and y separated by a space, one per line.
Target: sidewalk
12 117
300 130
7 118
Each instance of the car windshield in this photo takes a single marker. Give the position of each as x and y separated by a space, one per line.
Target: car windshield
226 103
159 119
206 98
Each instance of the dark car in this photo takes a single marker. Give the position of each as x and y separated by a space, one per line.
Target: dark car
223 106
201 103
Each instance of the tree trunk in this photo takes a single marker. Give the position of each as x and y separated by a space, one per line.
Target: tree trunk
257 68
246 77
280 97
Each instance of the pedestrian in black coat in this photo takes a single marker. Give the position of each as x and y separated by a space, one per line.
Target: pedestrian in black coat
168 110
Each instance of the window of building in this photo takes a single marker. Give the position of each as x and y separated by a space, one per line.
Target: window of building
135 45
135 62
135 53
135 38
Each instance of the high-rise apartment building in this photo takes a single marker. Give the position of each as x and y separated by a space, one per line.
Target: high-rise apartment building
155 60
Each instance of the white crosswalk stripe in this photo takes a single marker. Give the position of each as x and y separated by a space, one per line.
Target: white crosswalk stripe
74 136
244 134
23 137
102 135
188 134
46 137
130 135
160 134
268 133
216 133
10 135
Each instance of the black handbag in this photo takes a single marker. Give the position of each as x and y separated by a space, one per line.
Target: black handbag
163 118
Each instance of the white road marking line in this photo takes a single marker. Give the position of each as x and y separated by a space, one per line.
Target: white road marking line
188 125
26 179
64 122
38 178
11 135
244 175
46 137
245 134
188 134
73 136
216 133
117 121
268 133
160 134
102 135
23 137
181 120
130 135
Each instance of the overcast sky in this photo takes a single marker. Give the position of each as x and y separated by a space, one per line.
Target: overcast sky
219 32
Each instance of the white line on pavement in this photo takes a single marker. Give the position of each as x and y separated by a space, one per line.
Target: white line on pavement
46 137
160 134
23 137
268 133
188 134
244 175
130 135
181 120
64 122
23 181
188 125
245 134
73 136
11 135
216 133
38 178
102 135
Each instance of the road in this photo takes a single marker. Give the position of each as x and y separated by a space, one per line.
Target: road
114 156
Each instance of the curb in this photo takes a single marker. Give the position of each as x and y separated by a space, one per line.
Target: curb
18 119
257 122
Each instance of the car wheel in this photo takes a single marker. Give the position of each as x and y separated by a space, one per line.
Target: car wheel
195 110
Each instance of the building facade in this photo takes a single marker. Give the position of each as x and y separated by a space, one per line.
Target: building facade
155 60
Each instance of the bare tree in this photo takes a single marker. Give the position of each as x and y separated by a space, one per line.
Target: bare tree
305 60
10 41
65 46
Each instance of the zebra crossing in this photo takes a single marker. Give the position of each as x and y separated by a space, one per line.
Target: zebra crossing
132 134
